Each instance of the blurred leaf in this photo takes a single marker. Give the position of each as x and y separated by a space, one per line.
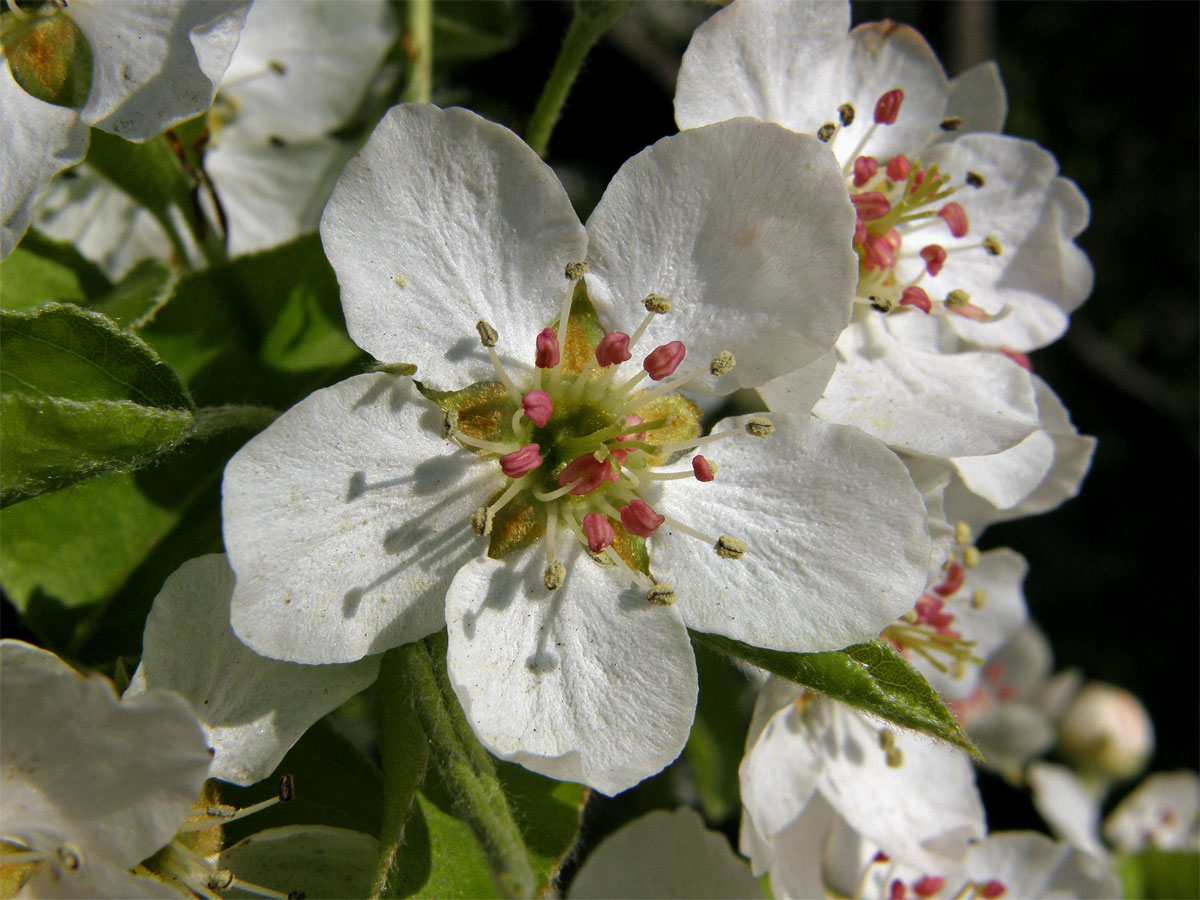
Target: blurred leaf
464 30
717 741
872 677
135 298
324 862
1160 874
81 398
41 270
335 785
150 173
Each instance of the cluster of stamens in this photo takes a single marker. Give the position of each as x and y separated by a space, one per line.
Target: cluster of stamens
587 443
927 885
927 629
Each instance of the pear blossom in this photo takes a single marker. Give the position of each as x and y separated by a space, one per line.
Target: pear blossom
252 708
568 559
972 232
133 69
819 776
1163 812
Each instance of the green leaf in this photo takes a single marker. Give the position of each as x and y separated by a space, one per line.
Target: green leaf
465 30
1160 874
41 270
335 785
138 295
150 173
314 862
872 677
717 741
81 397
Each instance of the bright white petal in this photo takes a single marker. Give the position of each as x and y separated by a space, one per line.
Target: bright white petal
115 778
39 140
301 66
809 503
798 392
798 869
589 683
665 854
746 228
1032 865
309 859
1009 735
1161 813
441 220
155 63
1005 479
1070 807
781 769
345 521
977 97
20 655
253 709
960 404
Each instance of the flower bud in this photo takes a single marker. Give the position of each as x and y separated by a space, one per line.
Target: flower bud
1106 731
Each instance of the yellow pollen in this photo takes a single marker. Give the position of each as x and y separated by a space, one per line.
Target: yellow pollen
979 599
657 303
729 547
957 298
826 131
722 363
487 334
846 114
661 595
555 573
759 427
576 270
962 534
970 557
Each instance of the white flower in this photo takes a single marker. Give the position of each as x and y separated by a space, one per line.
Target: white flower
141 67
1163 813
349 520
819 778
252 708
968 230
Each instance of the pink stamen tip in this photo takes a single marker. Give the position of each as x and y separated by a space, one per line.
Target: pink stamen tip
865 168
881 857
663 361
935 257
898 167
548 351
878 253
970 311
955 576
918 180
956 218
521 462
897 891
613 348
588 471
995 670
915 296
701 469
887 107
860 230
929 885
1021 359
893 238
1006 692
992 889
639 518
871 205
538 407
599 532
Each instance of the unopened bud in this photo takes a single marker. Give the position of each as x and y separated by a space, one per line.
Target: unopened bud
487 334
1106 732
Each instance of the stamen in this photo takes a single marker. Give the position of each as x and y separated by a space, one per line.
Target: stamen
887 107
576 270
512 491
16 10
899 167
664 360
955 217
895 758
554 495
979 599
928 886
915 296
955 575
883 304
975 180
970 557
487 334
826 131
600 532
951 123
488 337
554 576
846 114
992 889
613 349
586 473
702 468
491 446
992 245
548 350
871 205
759 427
1021 359
538 406
672 446
957 298
639 518
865 168
656 305
729 547
722 363
935 257
481 521
521 462
962 534
661 595
257 890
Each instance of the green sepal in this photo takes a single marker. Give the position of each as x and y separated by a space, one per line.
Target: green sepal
485 410
519 524
50 58
872 677
1160 874
684 424
584 331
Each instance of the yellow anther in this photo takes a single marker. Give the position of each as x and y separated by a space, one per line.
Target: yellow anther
883 304
895 758
722 363
487 334
657 303
975 180
970 556
661 595
846 114
962 534
826 131
481 521
957 298
576 270
554 575
951 123
449 422
729 547
759 427
992 245
887 738
979 599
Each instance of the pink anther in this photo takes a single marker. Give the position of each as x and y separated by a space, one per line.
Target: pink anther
701 469
992 889
897 891
918 180
955 576
663 361
860 230
915 296
935 257
865 168
929 885
956 218
893 238
548 351
1021 359
881 857
538 407
639 518
521 462
898 167
887 107
589 472
599 532
613 348
871 205
878 254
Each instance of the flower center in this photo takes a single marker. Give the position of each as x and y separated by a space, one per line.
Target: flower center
926 885
583 441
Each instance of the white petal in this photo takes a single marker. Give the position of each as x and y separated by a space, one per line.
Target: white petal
1005 479
115 778
781 769
798 392
310 859
1161 813
95 878
1032 865
253 709
798 870
441 220
960 404
345 521
746 228
39 140
665 854
20 655
1009 736
810 503
301 66
1040 275
977 97
589 683
1070 807
155 63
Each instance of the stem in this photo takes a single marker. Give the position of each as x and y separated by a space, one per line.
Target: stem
405 755
466 769
418 46
592 19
